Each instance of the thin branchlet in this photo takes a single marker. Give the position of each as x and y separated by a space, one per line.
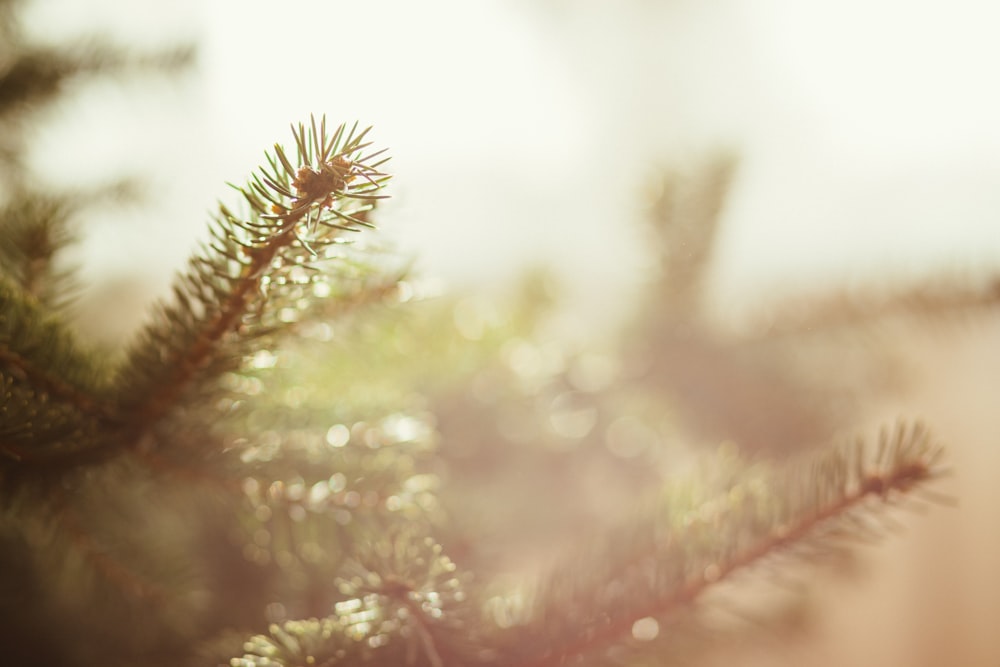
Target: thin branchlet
800 511
294 206
945 298
53 394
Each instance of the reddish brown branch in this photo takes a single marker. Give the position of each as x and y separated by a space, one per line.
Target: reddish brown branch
188 474
423 631
902 478
112 570
194 357
22 369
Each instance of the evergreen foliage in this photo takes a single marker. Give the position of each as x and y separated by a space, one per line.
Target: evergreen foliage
299 460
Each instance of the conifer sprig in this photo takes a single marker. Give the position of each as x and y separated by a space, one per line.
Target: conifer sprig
51 392
660 568
946 298
35 230
37 349
403 603
298 210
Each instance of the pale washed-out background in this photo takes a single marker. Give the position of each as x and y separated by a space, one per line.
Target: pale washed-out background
524 132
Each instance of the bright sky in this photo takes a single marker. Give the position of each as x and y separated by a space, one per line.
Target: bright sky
522 130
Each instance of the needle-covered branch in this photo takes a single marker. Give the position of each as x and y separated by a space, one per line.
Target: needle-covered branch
33 231
403 602
52 393
299 211
661 566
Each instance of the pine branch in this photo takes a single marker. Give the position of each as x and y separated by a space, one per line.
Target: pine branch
38 74
673 558
35 429
231 288
52 396
403 604
36 227
684 215
33 77
114 571
36 348
30 240
938 300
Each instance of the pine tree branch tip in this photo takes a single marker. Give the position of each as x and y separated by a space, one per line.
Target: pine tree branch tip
295 205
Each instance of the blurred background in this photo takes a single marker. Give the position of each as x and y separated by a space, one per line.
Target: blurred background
527 134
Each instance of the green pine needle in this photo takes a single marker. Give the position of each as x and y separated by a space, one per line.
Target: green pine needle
224 302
